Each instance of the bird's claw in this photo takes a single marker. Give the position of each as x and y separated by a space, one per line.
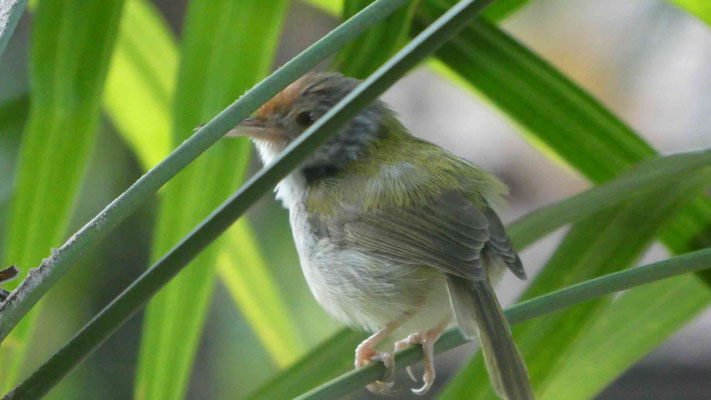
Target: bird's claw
385 385
427 344
428 379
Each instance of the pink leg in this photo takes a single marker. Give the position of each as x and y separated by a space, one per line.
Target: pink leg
427 341
365 353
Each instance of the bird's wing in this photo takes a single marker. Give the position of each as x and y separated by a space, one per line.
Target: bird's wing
447 232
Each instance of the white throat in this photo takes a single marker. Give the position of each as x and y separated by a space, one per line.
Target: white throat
293 187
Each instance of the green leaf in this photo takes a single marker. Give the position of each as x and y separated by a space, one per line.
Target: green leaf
10 13
59 134
333 7
503 8
141 77
614 339
243 272
360 58
13 114
141 81
700 8
214 69
329 359
555 114
643 178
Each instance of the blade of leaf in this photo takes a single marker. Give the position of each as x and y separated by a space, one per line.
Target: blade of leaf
552 110
361 57
699 8
141 77
243 272
329 359
215 68
597 359
330 6
10 13
141 80
13 115
59 134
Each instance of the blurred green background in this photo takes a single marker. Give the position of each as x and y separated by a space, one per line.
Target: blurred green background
648 61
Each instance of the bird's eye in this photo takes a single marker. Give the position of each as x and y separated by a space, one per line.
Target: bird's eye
304 119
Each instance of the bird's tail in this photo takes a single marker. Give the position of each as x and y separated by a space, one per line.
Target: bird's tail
479 314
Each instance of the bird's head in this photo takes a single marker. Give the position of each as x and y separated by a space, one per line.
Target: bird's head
288 114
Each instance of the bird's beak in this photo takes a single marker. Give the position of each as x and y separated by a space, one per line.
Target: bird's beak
256 129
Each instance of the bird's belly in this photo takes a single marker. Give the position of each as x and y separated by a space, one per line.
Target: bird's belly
369 292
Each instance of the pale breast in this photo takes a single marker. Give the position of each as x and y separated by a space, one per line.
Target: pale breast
363 291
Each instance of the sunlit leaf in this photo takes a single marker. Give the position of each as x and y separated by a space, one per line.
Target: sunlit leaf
363 56
700 8
137 97
58 137
215 68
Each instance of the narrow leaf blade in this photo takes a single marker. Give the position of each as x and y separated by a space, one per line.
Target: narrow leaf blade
215 69
59 134
141 77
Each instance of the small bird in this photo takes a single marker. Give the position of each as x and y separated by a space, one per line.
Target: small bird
395 235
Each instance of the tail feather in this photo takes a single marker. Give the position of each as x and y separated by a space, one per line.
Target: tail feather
479 313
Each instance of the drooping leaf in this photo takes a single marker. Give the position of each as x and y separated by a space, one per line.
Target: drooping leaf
13 114
596 360
555 114
141 81
363 56
699 8
329 359
59 134
138 93
217 65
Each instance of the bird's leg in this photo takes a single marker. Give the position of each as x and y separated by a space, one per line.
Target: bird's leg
365 353
427 341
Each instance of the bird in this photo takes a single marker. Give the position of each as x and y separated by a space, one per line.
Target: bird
395 235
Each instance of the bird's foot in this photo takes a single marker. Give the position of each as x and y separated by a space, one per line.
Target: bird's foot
427 341
365 354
